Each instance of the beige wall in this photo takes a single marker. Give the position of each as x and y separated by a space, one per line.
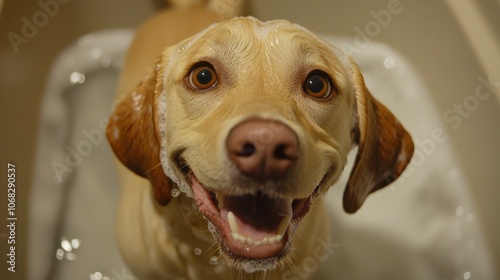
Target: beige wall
426 32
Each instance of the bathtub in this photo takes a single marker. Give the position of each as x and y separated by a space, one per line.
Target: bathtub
424 226
75 190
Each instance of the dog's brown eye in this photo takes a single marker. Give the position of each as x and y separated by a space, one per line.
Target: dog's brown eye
318 85
203 77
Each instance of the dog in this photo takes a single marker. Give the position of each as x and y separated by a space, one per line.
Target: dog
234 139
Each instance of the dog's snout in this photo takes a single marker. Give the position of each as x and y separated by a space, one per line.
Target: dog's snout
263 149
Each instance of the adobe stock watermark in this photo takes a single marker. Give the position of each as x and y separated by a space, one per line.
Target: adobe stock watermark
31 26
323 250
454 117
372 29
75 155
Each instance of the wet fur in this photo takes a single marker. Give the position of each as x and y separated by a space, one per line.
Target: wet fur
163 120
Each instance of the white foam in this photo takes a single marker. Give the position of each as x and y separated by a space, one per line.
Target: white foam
262 30
249 266
169 171
252 266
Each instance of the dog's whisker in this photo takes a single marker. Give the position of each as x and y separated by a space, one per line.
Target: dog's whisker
185 168
202 231
151 169
293 261
240 274
264 274
231 264
215 249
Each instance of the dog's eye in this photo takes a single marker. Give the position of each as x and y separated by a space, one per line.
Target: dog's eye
203 77
318 85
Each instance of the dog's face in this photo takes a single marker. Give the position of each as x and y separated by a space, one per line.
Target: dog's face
254 121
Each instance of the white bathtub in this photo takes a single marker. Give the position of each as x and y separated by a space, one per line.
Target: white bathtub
75 192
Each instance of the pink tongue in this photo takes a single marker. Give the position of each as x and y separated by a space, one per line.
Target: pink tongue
258 216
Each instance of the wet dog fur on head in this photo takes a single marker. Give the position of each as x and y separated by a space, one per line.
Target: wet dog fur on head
254 121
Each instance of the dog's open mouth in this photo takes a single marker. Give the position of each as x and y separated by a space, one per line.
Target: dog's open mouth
251 227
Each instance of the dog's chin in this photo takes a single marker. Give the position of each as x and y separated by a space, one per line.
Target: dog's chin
254 231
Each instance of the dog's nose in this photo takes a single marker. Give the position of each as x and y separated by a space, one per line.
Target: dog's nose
263 149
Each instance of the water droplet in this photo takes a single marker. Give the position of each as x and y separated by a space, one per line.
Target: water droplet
66 245
71 256
60 254
389 62
77 78
219 269
75 243
95 53
175 192
105 62
459 211
197 251
467 275
96 276
214 260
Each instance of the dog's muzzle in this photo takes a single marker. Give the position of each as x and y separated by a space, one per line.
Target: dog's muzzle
258 225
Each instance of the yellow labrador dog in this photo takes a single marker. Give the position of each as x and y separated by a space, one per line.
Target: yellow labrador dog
239 131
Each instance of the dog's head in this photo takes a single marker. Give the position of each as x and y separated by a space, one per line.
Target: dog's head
254 121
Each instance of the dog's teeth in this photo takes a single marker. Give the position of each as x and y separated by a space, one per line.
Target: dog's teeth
278 238
249 241
284 225
231 219
242 239
235 236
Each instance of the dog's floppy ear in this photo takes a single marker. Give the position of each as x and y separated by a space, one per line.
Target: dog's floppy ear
134 137
384 147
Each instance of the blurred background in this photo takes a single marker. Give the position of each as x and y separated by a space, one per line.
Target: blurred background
454 46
